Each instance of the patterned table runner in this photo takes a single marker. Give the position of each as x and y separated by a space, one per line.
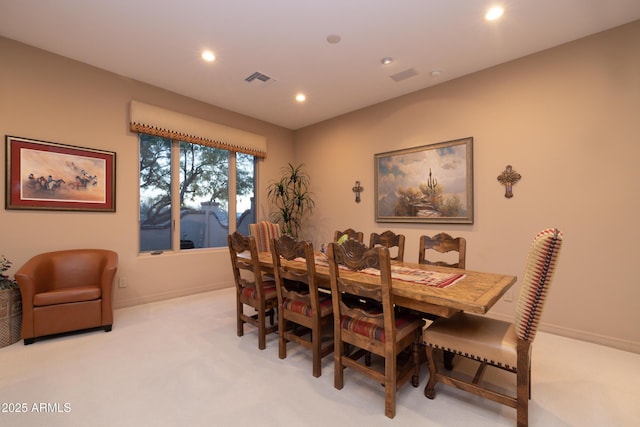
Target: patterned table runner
415 275
406 274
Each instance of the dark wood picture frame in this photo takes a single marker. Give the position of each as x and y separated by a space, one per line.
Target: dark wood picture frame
51 176
427 184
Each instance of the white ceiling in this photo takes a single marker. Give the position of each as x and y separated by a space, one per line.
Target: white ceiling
159 42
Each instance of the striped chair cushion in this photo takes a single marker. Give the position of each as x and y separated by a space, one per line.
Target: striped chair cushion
269 290
539 270
404 325
304 307
263 232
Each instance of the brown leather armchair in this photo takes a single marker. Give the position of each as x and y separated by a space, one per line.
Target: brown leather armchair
66 291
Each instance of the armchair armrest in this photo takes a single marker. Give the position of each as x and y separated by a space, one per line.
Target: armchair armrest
32 277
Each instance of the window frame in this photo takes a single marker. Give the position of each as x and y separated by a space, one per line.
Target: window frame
175 229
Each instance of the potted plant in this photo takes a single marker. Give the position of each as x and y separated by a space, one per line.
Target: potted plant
10 306
291 199
5 282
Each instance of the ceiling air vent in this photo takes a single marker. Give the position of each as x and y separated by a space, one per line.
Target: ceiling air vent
259 79
402 75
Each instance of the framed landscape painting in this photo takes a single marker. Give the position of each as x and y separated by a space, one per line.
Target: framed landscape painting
426 184
52 176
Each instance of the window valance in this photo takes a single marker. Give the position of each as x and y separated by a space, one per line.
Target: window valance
152 120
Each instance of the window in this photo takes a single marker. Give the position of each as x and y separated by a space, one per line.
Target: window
191 182
245 192
155 193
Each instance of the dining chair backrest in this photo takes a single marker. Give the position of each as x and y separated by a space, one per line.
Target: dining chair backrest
263 232
353 234
287 248
389 240
355 256
538 274
239 244
442 243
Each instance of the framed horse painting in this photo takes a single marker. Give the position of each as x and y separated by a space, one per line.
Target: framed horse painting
51 176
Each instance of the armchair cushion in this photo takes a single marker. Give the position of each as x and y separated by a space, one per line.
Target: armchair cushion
66 295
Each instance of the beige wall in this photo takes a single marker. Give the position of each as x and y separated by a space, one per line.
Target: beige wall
48 97
568 120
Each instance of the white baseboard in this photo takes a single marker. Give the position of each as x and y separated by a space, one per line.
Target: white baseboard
620 344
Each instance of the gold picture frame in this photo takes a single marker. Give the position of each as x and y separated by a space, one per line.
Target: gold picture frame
426 184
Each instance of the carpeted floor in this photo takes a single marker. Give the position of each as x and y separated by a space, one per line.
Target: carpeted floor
180 363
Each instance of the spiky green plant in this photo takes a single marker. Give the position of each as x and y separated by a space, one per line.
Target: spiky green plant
291 199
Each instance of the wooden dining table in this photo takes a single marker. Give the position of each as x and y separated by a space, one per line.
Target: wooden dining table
476 292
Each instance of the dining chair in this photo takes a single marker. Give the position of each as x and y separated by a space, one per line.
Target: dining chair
497 343
252 288
390 240
442 243
309 310
353 234
360 329
263 232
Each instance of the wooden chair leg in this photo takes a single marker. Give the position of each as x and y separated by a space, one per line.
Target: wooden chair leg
429 389
282 342
239 321
338 370
415 378
390 367
316 344
529 380
262 333
448 360
523 383
522 405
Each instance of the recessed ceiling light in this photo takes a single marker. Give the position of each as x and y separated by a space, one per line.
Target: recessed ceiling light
386 60
208 56
301 97
494 13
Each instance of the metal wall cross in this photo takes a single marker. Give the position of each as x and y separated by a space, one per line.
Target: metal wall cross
508 177
357 189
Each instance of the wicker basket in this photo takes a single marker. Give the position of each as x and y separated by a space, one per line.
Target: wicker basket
10 316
